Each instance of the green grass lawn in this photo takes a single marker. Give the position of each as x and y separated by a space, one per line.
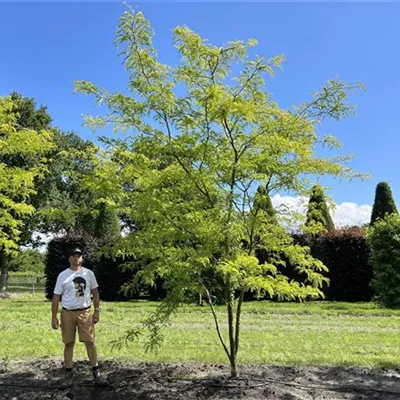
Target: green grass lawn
316 333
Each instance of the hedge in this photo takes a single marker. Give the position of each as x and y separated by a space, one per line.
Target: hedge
346 254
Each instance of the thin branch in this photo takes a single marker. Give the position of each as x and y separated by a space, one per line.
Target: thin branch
203 190
248 80
181 228
228 133
216 323
208 129
267 186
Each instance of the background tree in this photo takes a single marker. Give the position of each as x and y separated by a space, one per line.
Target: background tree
191 167
383 203
28 115
384 242
262 201
318 216
60 202
17 181
28 260
107 228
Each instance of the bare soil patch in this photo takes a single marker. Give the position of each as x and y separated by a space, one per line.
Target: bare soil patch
45 379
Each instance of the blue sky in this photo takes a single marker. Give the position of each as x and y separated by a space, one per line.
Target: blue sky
46 46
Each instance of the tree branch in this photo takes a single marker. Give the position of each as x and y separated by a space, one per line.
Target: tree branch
216 322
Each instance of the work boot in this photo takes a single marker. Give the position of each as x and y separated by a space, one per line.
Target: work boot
99 379
68 378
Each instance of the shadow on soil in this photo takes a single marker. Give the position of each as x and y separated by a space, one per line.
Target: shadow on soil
45 379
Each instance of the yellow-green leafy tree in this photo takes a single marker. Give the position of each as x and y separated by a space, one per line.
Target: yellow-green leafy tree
17 183
199 139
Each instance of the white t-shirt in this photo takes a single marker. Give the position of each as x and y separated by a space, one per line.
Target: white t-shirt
75 288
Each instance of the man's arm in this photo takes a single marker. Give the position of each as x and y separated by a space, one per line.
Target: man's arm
96 303
54 310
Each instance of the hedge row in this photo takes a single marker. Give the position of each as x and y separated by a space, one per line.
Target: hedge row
346 254
344 251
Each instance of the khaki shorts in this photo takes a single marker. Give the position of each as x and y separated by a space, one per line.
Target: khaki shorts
81 319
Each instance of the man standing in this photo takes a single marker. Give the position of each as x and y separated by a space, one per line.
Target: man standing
76 285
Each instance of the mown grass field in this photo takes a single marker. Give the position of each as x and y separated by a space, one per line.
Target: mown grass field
317 333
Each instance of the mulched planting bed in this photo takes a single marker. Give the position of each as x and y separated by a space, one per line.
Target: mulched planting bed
44 379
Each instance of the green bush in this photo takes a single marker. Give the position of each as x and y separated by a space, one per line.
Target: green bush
384 240
28 260
346 254
111 276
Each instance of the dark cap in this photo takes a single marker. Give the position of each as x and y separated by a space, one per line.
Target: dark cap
76 250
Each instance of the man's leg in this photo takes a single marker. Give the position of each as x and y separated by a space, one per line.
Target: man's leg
86 335
68 354
68 330
92 353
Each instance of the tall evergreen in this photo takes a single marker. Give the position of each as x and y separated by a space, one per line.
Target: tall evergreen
384 203
262 201
318 212
106 224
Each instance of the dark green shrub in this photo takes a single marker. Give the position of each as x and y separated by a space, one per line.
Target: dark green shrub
384 239
111 276
158 291
346 254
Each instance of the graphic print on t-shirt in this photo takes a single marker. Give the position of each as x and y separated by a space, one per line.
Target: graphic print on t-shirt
80 286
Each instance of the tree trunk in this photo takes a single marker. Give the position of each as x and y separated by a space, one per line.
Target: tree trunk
4 274
232 344
231 332
234 371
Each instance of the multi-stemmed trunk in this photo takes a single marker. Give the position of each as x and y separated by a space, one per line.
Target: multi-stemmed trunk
233 327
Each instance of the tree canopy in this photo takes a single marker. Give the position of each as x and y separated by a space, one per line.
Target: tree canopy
199 137
17 180
59 200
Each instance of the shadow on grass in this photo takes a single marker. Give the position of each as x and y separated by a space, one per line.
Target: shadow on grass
46 379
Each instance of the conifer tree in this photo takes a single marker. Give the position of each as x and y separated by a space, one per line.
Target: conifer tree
262 201
106 224
318 212
384 203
